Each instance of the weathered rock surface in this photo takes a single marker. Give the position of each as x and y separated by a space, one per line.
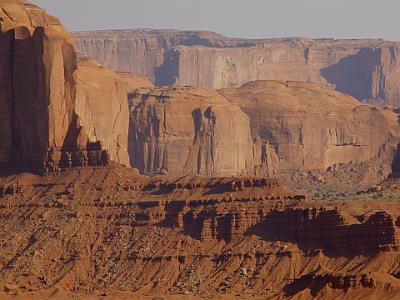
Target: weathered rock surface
295 127
366 69
300 126
135 82
377 233
185 130
102 231
20 13
101 104
141 51
326 284
52 104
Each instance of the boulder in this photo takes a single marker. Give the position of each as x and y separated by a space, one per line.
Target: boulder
11 289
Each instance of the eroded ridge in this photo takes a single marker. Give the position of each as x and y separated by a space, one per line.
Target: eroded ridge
96 229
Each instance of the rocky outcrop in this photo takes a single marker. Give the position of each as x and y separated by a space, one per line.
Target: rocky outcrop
320 282
295 127
96 231
328 229
310 228
366 69
299 126
184 130
53 104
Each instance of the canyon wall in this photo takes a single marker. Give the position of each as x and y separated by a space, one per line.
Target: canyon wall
59 108
300 126
54 103
366 69
263 128
189 131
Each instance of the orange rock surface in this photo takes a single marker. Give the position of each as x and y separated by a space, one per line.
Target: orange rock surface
107 231
49 97
186 130
302 126
290 128
218 224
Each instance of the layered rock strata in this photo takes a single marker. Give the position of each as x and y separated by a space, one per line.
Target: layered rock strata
53 103
377 233
366 69
96 231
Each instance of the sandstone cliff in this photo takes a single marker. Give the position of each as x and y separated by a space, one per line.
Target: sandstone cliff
366 69
184 130
290 128
135 82
53 104
101 104
300 126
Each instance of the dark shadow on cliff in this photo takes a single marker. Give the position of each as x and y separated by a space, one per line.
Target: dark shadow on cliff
172 210
353 74
28 99
73 133
315 283
9 170
221 188
396 164
193 159
135 147
167 73
396 160
312 230
300 285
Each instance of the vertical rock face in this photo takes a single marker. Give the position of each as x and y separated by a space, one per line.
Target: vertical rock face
290 127
5 98
38 76
142 51
189 131
299 126
366 69
48 99
101 104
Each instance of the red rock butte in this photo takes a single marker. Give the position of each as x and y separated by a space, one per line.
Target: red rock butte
112 187
54 102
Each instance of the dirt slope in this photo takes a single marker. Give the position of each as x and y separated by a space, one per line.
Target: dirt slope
108 231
